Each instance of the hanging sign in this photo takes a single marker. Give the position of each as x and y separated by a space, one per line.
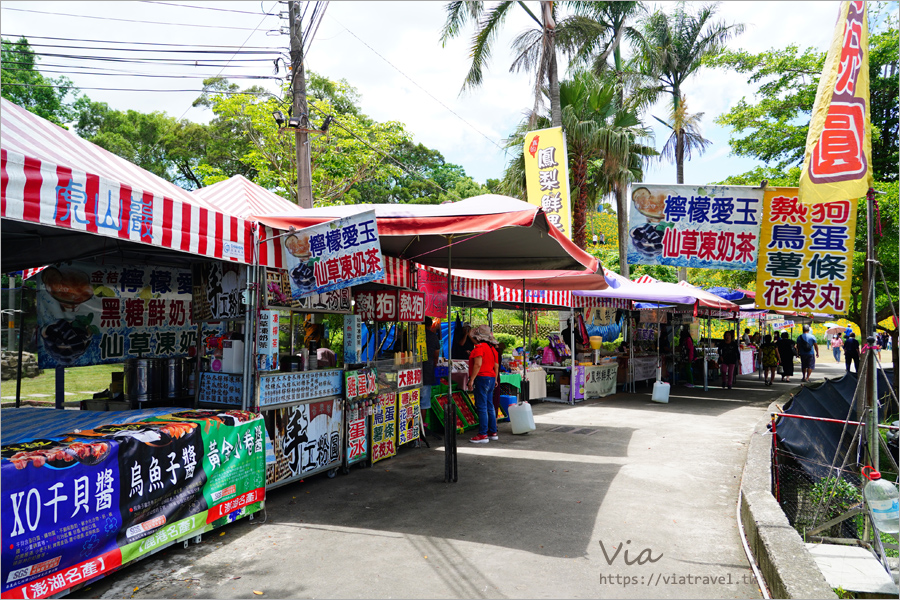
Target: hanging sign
547 176
838 157
90 314
408 416
806 261
334 255
278 295
384 427
390 306
701 227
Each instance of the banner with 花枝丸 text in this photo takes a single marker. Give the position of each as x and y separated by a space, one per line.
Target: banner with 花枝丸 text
806 256
384 426
837 163
91 314
100 491
547 176
701 227
334 255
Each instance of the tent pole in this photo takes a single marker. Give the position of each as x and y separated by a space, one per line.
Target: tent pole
450 474
705 367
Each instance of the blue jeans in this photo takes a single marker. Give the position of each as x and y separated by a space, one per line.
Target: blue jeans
484 404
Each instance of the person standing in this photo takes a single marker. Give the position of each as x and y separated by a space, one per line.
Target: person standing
429 362
482 378
836 344
686 343
786 352
746 337
808 349
770 359
851 352
729 354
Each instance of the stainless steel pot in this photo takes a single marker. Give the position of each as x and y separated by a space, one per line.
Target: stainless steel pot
142 381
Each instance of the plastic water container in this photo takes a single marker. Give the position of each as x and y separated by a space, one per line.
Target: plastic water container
882 498
521 418
661 392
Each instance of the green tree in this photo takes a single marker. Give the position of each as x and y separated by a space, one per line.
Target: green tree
686 137
772 126
21 83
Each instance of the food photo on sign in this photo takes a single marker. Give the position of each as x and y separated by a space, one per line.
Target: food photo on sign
334 255
701 227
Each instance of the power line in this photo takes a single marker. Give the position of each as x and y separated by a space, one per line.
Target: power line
56 14
133 74
230 10
58 39
73 86
186 61
228 51
40 67
419 86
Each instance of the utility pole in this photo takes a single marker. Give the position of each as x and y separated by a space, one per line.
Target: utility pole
299 110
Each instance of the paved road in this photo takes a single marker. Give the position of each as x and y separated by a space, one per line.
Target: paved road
619 497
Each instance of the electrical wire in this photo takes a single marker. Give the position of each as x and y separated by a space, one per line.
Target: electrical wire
133 74
73 86
56 14
58 39
420 87
33 45
309 37
229 10
90 68
137 60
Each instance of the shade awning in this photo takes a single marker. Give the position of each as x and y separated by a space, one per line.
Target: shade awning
241 197
489 230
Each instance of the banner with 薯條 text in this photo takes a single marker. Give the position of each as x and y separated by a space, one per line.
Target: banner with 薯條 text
806 254
838 161
547 176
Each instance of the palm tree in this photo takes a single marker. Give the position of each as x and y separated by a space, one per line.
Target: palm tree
673 48
603 148
686 138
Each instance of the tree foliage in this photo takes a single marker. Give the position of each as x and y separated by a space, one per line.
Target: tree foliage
772 125
22 84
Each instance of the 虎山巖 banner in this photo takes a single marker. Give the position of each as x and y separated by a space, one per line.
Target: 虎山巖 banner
334 255
103 490
547 176
838 160
806 255
702 227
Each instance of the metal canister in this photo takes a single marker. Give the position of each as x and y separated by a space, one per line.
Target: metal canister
141 380
173 379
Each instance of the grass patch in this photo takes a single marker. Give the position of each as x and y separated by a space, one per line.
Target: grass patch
84 382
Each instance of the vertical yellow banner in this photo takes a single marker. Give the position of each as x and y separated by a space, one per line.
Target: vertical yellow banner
837 163
547 176
805 254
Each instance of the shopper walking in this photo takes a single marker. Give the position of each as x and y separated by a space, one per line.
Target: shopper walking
786 352
482 379
808 349
851 352
729 354
770 359
836 344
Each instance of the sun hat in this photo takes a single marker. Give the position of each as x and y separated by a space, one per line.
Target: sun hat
483 333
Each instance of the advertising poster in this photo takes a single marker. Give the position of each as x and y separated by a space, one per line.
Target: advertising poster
81 504
408 416
90 314
334 255
600 381
701 227
806 261
390 306
278 295
352 339
359 386
298 387
384 427
547 176
306 437
217 293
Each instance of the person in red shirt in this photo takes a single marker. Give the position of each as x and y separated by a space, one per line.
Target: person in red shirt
483 369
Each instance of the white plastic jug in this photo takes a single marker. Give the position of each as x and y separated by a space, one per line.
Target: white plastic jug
521 418
661 392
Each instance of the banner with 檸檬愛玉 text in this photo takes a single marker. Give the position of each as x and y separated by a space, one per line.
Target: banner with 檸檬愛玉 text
78 505
547 176
700 227
334 255
806 256
91 314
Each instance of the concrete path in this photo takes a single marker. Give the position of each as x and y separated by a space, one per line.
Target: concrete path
619 497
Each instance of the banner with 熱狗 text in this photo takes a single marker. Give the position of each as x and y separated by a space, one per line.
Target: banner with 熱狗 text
334 255
806 255
90 313
837 163
547 176
701 227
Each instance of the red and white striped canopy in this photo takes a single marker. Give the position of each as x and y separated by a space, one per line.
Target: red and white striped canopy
645 279
52 177
241 197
